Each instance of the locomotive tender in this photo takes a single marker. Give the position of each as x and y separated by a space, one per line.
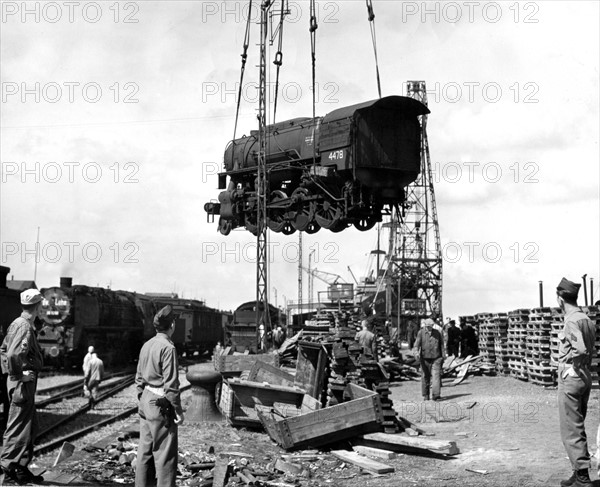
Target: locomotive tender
329 172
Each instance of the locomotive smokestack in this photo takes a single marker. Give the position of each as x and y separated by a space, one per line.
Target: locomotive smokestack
541 294
585 288
66 282
3 273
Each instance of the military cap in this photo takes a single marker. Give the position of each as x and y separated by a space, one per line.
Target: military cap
30 296
568 287
164 317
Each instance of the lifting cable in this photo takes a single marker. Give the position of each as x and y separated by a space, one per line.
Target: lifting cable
244 58
313 46
279 56
374 38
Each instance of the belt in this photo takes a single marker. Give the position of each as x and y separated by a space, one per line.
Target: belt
159 391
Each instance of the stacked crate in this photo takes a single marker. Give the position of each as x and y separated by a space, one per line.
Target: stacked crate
539 327
517 343
487 348
499 323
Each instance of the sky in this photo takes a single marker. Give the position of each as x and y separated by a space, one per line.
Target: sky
115 116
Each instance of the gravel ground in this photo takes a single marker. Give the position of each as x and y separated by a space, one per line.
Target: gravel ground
510 433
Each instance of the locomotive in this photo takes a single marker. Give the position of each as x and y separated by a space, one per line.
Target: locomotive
242 333
117 323
346 168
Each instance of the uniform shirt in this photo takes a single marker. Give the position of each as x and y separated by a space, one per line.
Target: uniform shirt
20 350
86 363
577 339
429 343
158 367
95 370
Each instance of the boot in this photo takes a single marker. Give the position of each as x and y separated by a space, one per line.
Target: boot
582 478
570 481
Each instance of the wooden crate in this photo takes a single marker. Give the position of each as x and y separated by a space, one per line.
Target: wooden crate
234 365
243 396
362 414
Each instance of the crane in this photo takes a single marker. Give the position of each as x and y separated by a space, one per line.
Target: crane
338 287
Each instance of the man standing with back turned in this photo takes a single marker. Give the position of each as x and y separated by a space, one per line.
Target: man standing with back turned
22 360
575 353
157 382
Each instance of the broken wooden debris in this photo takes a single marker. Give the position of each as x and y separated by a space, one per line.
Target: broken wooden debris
66 450
234 365
265 372
399 442
362 462
370 451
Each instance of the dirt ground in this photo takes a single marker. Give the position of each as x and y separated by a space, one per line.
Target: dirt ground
510 432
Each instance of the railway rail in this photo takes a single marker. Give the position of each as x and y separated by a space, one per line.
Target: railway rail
56 433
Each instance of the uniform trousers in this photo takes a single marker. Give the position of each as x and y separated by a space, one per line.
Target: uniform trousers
573 395
21 426
431 377
157 450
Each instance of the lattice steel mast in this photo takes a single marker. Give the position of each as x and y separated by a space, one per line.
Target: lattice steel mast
418 255
262 258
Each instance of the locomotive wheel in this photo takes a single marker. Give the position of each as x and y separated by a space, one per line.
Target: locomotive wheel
288 229
276 220
225 226
304 212
366 223
313 227
339 226
327 214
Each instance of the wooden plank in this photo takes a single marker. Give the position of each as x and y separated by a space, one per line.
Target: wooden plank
399 442
310 368
362 462
462 374
374 452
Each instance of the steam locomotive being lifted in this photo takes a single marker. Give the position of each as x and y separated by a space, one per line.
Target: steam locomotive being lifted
329 172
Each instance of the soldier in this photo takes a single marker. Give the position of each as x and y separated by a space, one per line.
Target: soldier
22 360
157 382
93 376
366 339
575 352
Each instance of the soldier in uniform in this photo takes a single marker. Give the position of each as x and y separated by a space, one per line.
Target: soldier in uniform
575 353
157 382
366 339
22 360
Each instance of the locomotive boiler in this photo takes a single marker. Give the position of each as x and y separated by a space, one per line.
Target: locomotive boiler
346 168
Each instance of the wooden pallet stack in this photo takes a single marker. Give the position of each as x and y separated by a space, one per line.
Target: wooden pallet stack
539 369
517 343
500 329
487 349
556 326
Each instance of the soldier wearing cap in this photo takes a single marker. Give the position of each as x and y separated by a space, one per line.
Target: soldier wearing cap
429 348
157 380
21 359
575 353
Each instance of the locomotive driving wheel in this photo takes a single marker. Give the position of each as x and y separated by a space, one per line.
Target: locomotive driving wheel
365 223
225 226
276 219
303 210
327 214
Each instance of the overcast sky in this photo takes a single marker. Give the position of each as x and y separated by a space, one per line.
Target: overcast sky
115 117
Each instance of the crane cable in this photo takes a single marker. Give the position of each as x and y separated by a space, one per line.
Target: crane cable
313 46
374 39
279 57
244 58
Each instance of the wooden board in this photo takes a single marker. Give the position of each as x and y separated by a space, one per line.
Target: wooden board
229 365
402 443
310 368
374 452
362 462
264 372
462 374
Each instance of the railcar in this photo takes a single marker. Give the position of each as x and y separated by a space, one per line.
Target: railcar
346 168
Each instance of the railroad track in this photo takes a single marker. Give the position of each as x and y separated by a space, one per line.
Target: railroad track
81 419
